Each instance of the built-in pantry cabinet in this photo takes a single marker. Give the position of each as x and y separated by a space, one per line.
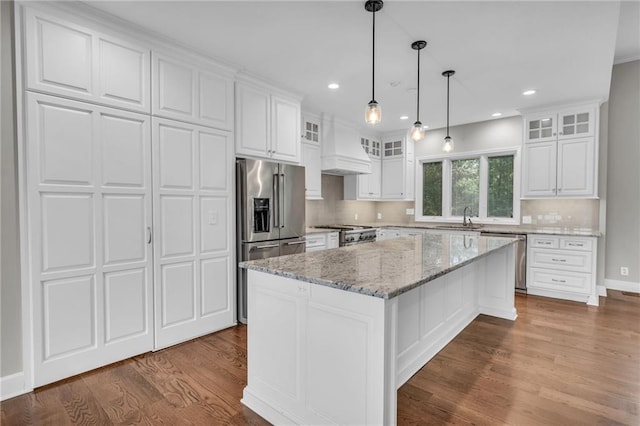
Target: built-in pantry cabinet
72 60
126 163
187 91
560 153
267 123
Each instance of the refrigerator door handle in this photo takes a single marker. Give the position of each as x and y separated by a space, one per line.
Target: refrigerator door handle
276 200
263 247
281 208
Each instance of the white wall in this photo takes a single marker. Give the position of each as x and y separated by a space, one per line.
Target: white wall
491 134
623 177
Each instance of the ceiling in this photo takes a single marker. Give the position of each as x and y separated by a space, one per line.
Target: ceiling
564 50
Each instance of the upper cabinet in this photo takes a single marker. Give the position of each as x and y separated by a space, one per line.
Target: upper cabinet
186 91
311 157
70 60
560 153
267 123
397 169
366 186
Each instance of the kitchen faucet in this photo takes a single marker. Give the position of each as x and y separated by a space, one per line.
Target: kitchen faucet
465 221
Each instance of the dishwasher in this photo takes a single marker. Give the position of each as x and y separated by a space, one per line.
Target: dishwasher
521 258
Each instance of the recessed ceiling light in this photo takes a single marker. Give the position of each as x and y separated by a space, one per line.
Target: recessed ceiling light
333 86
404 117
528 92
496 114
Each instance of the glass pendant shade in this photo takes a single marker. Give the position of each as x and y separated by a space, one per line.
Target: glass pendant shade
373 114
448 144
417 132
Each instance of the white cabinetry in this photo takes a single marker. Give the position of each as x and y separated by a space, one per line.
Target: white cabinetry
187 91
267 124
562 267
89 198
321 241
98 209
397 169
71 60
311 158
194 275
560 153
366 186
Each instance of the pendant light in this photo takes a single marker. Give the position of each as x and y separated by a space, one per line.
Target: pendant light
373 113
448 142
417 131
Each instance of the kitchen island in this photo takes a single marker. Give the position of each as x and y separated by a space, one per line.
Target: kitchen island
333 334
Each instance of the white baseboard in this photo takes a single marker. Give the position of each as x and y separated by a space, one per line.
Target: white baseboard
622 285
601 290
12 385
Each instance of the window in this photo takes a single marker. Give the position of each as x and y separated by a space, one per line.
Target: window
486 184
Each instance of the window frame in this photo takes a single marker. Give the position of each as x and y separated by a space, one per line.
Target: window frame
481 215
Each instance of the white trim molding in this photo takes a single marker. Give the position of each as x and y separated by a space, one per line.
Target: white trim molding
622 285
13 385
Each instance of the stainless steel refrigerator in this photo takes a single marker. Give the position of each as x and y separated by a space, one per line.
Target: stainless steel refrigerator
270 215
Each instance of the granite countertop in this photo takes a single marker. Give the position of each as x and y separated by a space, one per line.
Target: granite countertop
497 229
383 269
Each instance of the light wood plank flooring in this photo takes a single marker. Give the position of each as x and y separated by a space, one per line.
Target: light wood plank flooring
559 363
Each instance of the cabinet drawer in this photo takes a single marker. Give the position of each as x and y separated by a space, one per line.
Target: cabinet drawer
562 281
543 241
332 240
317 241
560 259
582 244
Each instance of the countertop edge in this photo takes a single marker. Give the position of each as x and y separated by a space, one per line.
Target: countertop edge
367 292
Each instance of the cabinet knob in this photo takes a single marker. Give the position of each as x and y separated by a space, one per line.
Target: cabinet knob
554 134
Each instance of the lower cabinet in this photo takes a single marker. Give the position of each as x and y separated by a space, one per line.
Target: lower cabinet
321 241
562 267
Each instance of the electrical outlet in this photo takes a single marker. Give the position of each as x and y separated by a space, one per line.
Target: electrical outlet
526 220
624 271
379 216
355 216
410 212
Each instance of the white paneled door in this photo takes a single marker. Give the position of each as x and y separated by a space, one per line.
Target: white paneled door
193 213
89 186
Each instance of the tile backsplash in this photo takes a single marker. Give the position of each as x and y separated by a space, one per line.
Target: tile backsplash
333 209
562 212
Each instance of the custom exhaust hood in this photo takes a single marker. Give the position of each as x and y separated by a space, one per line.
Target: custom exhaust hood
342 153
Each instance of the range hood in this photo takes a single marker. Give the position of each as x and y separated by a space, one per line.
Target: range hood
342 153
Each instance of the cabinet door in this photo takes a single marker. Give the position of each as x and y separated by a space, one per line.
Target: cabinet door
369 185
285 127
393 178
576 167
89 186
194 285
73 61
253 126
539 169
576 123
541 127
312 163
187 92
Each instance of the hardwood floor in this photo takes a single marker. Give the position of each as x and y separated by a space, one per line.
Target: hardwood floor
559 363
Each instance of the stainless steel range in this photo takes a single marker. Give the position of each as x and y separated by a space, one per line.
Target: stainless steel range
352 234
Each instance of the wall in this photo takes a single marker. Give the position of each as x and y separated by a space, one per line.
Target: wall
333 209
10 298
623 178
